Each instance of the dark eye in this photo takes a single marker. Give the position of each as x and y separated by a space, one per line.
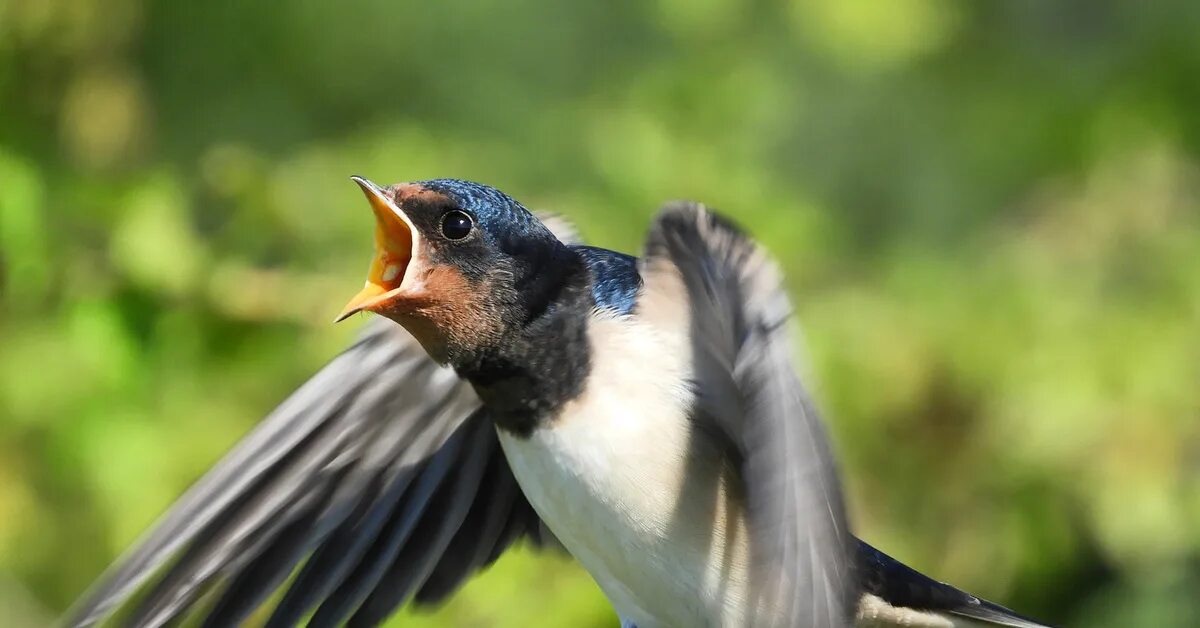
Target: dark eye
456 225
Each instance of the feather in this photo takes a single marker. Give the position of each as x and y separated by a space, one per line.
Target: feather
373 439
902 587
699 268
381 446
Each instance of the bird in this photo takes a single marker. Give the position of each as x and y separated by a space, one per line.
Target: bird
640 413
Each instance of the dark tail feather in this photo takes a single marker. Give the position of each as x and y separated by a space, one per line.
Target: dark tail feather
904 587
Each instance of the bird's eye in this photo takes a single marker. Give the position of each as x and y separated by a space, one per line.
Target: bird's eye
456 225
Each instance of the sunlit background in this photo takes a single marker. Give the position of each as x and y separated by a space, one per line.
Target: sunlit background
989 214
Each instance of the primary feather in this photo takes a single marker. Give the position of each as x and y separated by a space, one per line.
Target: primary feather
363 471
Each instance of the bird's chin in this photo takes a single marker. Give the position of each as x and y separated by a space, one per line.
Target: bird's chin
426 332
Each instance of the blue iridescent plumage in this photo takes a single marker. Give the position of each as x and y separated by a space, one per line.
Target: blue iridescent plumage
615 279
492 208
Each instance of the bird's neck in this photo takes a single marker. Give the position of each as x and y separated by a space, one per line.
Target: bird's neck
543 361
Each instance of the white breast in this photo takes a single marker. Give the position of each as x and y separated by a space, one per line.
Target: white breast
648 507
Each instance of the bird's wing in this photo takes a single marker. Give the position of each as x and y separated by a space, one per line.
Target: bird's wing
383 467
702 272
383 471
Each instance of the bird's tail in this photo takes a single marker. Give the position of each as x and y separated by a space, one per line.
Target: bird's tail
893 587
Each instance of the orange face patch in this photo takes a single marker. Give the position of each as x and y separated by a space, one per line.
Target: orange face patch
415 192
435 301
444 308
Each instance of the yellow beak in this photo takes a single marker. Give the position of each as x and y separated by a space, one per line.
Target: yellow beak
395 242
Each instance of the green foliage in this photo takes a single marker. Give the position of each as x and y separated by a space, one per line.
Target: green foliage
989 214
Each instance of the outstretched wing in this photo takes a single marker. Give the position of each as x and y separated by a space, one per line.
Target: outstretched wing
382 474
700 269
383 467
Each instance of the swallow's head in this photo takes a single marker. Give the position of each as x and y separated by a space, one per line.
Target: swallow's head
460 265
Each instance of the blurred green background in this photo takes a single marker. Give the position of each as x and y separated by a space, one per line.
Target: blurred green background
989 213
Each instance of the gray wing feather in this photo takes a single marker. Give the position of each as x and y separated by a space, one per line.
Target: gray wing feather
429 540
748 392
353 462
369 470
249 462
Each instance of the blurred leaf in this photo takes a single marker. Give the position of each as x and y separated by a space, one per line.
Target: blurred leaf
153 242
24 255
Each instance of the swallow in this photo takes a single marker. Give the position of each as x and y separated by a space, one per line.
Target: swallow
642 414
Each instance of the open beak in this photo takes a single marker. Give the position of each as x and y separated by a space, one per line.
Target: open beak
395 245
